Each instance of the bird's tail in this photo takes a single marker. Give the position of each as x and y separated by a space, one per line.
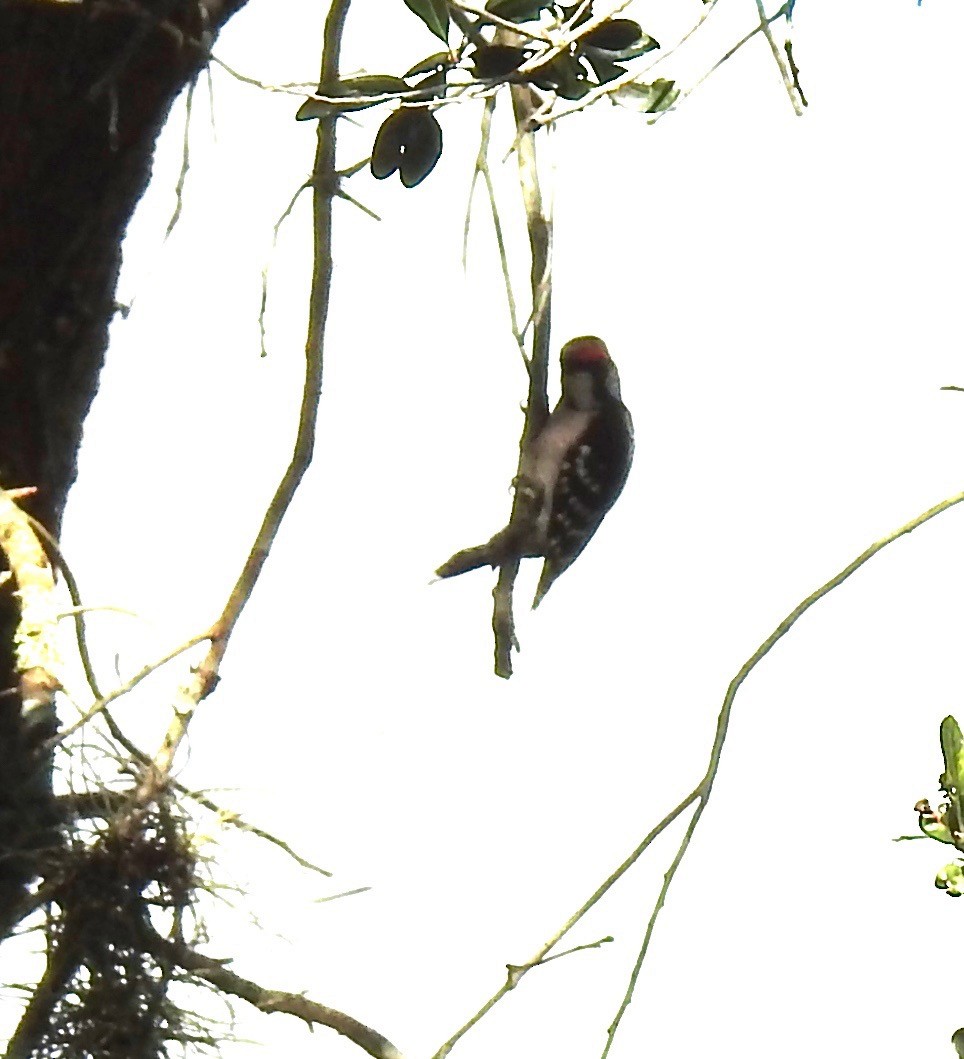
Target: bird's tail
548 575
465 560
496 550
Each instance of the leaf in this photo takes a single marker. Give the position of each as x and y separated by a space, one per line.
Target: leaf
433 86
602 67
422 150
648 99
435 15
440 60
498 60
409 141
582 12
952 747
517 10
387 148
645 44
366 85
615 34
951 879
563 75
934 827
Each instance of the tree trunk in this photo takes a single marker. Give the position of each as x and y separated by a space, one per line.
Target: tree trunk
85 86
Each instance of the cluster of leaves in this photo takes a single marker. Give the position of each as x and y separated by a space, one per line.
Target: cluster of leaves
409 140
946 822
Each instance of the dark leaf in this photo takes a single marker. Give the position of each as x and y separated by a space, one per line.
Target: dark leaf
440 60
434 14
498 60
409 141
564 75
615 34
422 150
517 10
641 47
604 69
387 148
584 14
433 86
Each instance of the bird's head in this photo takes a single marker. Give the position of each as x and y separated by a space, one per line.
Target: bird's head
589 375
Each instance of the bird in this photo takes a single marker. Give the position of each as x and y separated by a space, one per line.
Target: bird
570 475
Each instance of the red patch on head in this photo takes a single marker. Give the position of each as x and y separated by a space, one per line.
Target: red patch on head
585 350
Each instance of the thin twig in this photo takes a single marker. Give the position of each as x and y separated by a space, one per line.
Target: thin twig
549 116
231 818
185 159
286 213
292 88
518 971
124 689
779 57
598 944
705 787
53 550
352 893
482 169
742 42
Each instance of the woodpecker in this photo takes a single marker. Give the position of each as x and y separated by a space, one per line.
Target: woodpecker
570 474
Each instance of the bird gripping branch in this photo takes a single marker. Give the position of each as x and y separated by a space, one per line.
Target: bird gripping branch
571 472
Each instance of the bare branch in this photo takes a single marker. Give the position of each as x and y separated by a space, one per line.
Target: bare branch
185 159
53 550
789 79
272 1000
518 971
539 227
285 214
598 944
232 819
293 88
705 787
324 183
62 962
483 170
124 689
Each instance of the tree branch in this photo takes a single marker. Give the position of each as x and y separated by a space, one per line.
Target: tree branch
324 182
539 228
518 971
705 787
272 1000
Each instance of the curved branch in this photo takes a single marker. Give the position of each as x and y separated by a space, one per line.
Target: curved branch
324 182
272 1000
705 787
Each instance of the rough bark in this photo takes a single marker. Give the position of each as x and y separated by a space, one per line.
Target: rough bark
85 86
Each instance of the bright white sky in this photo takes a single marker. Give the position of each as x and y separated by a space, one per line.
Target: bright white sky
782 295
